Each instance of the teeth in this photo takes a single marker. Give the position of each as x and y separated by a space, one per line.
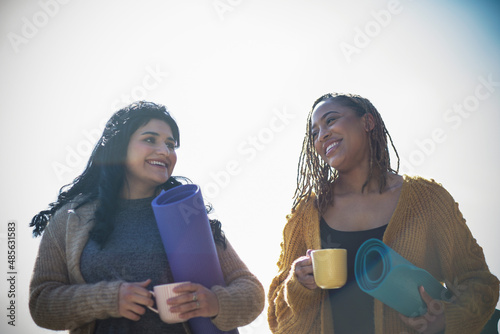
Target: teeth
158 163
331 146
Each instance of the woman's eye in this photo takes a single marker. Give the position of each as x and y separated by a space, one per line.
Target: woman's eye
150 140
330 120
170 145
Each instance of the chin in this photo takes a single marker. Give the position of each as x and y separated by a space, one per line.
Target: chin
332 163
159 182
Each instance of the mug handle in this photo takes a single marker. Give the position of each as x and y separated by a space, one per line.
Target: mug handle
151 307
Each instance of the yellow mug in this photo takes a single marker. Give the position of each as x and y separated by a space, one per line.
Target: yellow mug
330 267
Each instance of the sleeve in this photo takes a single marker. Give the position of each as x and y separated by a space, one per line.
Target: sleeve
55 302
242 300
464 269
292 307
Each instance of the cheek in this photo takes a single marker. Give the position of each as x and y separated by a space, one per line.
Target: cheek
173 159
129 159
317 147
133 154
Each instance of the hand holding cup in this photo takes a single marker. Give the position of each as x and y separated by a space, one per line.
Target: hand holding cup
304 271
161 293
182 301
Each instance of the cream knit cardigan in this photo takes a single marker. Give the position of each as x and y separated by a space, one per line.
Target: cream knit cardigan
60 298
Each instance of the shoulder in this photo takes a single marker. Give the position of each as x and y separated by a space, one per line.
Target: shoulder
421 183
427 190
68 227
301 215
305 206
74 212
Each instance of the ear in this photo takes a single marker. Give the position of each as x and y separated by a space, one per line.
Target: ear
369 122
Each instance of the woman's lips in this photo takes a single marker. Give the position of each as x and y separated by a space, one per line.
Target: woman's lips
332 146
157 163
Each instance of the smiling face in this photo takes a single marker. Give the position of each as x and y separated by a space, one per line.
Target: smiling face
340 136
150 159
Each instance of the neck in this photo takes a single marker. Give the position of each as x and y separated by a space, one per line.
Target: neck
128 193
352 182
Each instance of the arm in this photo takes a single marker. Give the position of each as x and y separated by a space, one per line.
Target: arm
464 269
293 308
55 301
242 300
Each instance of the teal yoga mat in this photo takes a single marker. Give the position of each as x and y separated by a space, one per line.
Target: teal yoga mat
387 276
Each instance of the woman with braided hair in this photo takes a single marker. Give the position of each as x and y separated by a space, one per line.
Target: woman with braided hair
347 192
101 252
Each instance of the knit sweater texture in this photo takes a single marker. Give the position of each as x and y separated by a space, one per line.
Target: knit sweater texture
427 229
60 299
134 252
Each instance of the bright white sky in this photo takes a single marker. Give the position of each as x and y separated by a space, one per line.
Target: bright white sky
240 76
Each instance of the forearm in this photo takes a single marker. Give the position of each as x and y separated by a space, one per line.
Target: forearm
60 306
240 303
242 299
59 297
464 269
475 296
292 307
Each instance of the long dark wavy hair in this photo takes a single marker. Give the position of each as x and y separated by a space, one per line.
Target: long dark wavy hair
315 175
104 174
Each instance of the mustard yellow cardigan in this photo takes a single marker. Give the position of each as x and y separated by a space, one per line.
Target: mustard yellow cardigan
426 228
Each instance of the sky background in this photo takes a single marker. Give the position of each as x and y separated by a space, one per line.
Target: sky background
240 76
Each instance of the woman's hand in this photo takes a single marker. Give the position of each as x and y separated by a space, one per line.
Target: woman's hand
304 271
195 301
433 321
130 298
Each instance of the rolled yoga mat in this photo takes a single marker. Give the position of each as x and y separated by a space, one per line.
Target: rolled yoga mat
187 237
387 276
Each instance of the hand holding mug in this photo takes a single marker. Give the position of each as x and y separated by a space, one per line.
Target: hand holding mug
304 271
179 302
131 299
194 300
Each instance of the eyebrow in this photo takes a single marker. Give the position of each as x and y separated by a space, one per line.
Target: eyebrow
328 113
325 115
155 134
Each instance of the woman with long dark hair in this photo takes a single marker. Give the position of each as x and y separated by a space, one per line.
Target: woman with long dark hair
347 192
101 252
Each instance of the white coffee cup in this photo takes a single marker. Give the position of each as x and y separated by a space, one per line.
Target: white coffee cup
161 294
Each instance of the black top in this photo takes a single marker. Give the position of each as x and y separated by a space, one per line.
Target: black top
352 309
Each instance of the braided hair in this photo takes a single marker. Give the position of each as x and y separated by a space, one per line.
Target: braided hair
104 174
315 175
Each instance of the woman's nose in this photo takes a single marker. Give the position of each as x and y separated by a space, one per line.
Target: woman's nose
165 149
323 134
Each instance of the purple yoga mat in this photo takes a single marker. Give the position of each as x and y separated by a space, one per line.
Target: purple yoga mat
187 237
